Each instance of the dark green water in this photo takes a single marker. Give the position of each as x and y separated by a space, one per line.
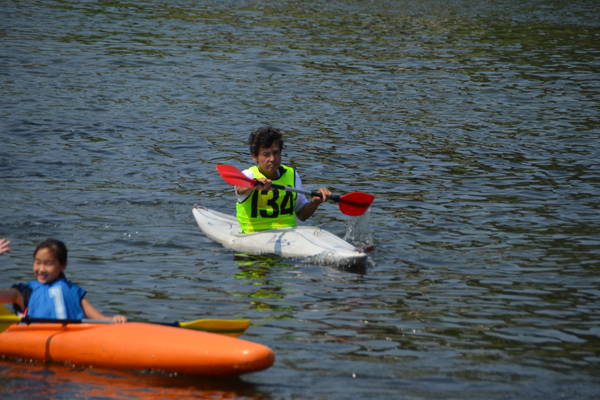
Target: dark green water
475 125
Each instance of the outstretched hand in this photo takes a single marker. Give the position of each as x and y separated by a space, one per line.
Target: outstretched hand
325 195
263 184
4 245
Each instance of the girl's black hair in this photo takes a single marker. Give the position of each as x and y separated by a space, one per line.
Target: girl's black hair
58 249
264 137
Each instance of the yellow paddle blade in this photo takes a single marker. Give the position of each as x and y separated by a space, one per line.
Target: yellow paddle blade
7 318
233 328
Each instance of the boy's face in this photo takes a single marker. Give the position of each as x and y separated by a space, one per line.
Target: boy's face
46 267
268 160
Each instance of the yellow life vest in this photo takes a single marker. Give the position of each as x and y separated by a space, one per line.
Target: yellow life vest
269 209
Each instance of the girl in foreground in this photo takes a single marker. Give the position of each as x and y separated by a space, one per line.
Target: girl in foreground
50 295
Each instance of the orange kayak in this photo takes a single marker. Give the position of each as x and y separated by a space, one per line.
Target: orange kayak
136 345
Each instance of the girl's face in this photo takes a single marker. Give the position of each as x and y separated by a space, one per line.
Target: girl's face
46 267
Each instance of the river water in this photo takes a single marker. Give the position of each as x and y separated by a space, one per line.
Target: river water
474 124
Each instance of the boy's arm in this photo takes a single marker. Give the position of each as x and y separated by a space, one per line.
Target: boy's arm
12 296
309 209
243 191
263 184
91 313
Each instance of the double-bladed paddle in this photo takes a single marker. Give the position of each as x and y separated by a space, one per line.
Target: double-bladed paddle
233 328
353 204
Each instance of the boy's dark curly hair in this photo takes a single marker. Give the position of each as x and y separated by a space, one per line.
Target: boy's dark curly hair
264 137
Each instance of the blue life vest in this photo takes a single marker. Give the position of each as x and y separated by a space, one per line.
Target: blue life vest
60 299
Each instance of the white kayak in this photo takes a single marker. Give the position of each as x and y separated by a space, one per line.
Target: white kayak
302 242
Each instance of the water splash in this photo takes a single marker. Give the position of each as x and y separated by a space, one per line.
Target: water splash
357 231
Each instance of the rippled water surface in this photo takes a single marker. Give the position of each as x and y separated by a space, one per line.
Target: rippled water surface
474 124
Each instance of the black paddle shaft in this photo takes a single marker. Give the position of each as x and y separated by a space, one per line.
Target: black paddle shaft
335 198
29 320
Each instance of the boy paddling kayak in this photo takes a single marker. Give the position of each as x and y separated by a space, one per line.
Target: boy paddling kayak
262 207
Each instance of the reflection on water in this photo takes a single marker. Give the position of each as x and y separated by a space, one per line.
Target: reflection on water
64 382
473 124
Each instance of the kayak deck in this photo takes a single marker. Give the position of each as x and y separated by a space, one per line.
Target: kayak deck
305 242
136 346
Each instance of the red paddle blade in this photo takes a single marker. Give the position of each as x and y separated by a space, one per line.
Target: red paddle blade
234 176
356 203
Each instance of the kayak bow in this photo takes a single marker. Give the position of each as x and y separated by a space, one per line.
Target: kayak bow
300 242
